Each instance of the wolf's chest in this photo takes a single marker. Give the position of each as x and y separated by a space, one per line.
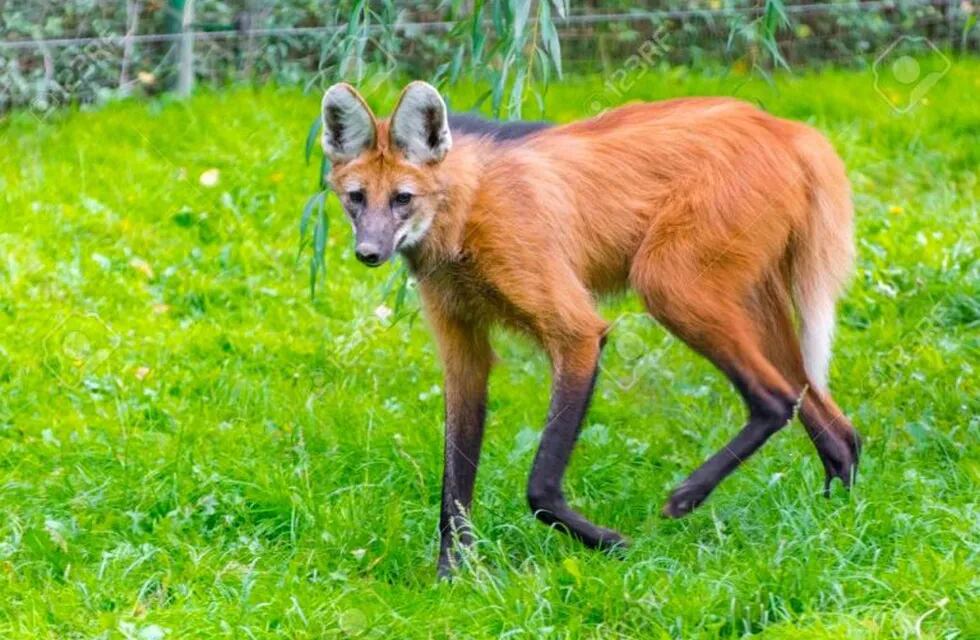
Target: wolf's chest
465 293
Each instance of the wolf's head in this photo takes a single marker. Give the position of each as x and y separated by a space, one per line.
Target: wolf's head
385 171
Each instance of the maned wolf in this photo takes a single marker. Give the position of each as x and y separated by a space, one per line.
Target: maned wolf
726 221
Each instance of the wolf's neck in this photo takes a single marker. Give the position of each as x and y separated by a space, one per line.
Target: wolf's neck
460 175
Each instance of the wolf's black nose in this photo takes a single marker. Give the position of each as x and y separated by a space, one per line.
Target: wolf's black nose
368 253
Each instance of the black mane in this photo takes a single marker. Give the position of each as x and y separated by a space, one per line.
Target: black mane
469 124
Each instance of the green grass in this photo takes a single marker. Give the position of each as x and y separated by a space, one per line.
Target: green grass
190 446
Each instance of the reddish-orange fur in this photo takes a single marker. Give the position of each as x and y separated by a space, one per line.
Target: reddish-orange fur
717 214
704 195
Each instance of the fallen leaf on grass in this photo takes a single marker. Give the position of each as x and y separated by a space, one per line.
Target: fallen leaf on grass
210 178
142 266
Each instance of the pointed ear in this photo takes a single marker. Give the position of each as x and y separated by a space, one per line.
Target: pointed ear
349 127
420 124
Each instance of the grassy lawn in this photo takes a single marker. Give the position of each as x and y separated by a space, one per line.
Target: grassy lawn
190 447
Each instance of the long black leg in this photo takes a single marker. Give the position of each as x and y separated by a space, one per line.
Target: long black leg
464 435
571 392
768 413
467 358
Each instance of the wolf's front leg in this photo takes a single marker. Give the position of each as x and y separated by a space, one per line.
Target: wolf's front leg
467 358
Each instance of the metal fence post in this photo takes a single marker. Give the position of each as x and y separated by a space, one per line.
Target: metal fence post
185 64
133 8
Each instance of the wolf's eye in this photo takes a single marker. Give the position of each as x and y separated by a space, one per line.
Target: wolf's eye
403 197
356 197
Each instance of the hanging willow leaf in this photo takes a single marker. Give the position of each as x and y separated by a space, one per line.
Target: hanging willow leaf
356 17
478 103
499 86
320 233
539 100
315 201
561 8
501 17
735 28
544 68
774 17
318 262
457 66
478 37
516 105
773 48
549 36
522 11
311 137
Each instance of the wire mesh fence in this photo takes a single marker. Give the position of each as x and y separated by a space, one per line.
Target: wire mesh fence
56 53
